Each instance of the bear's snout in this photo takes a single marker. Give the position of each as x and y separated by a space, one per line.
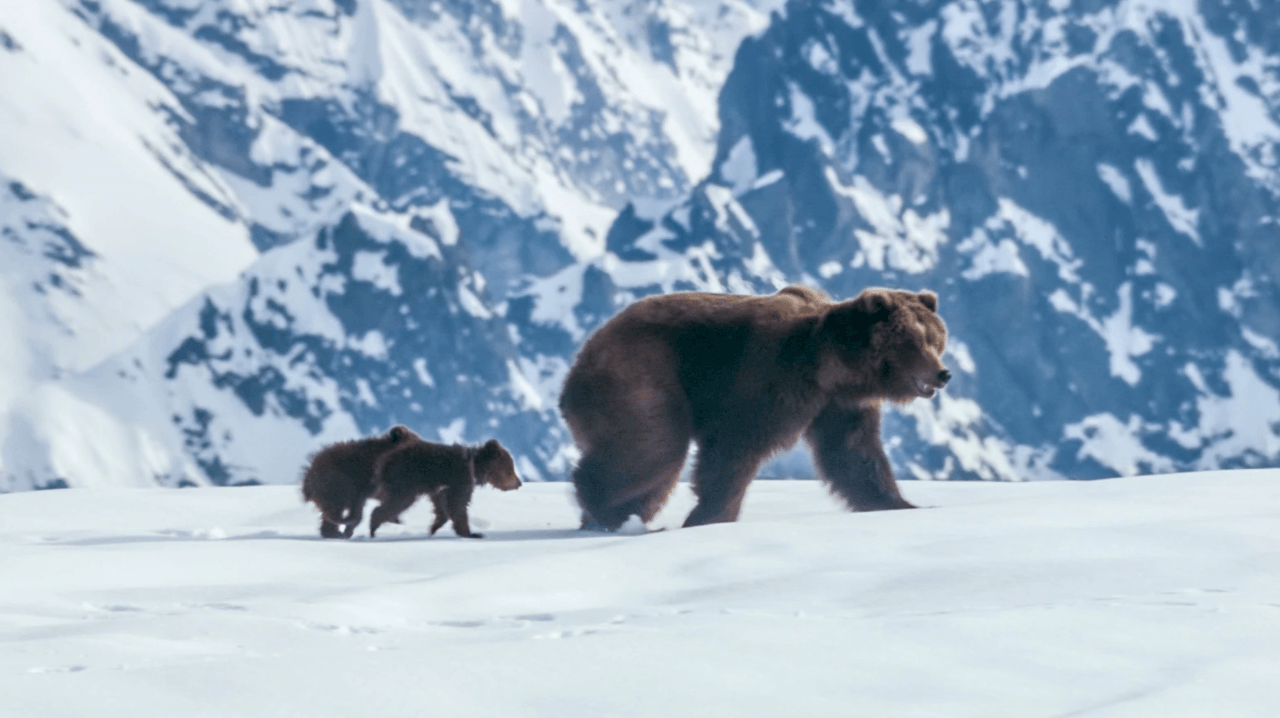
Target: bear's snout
928 383
507 482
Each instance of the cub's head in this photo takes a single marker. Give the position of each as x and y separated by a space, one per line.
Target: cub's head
495 467
886 342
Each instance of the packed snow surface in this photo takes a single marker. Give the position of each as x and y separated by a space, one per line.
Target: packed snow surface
1155 596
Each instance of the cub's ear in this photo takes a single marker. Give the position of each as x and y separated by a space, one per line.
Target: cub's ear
929 300
399 433
490 449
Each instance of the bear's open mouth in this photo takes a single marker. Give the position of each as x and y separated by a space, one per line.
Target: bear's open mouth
924 390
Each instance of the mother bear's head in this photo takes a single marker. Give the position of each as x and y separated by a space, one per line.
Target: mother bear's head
884 344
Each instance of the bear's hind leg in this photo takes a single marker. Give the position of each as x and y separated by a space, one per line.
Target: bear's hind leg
720 480
652 502
594 489
355 514
614 486
633 425
329 529
390 509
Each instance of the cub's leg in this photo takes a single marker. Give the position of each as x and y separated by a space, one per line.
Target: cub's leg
439 501
393 504
457 500
329 529
355 514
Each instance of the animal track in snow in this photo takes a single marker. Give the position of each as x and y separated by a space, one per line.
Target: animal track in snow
340 629
57 669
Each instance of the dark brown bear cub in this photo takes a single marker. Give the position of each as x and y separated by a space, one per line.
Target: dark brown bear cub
339 479
448 474
744 377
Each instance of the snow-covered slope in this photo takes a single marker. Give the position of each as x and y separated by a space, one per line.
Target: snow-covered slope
147 143
539 108
107 223
319 339
1153 596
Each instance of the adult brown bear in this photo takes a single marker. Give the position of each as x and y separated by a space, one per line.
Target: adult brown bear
744 377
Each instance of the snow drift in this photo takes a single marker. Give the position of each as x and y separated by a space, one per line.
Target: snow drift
1129 597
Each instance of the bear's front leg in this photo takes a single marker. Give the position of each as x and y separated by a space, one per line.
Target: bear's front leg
850 458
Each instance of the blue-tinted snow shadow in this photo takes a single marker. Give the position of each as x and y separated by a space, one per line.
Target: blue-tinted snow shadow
489 535
187 536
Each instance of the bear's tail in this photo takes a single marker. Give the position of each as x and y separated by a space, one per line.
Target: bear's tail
306 484
307 494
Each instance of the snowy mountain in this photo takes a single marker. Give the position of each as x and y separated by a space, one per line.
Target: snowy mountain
1092 190
1151 596
513 131
320 338
233 231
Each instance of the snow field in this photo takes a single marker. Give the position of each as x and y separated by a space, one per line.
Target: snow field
1130 597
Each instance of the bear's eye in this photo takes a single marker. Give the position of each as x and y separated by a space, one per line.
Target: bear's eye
917 337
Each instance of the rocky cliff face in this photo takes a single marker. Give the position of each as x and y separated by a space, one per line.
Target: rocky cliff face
332 216
1090 187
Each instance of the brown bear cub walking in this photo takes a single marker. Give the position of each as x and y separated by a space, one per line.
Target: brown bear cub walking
339 479
744 377
448 474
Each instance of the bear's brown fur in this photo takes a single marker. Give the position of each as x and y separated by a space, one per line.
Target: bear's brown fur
448 474
744 377
339 479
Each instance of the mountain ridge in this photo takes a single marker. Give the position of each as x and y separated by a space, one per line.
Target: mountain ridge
1092 189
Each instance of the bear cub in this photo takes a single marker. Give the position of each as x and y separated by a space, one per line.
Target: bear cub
339 479
446 473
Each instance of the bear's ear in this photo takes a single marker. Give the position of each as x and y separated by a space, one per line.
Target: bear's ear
489 450
849 323
873 304
929 300
398 433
